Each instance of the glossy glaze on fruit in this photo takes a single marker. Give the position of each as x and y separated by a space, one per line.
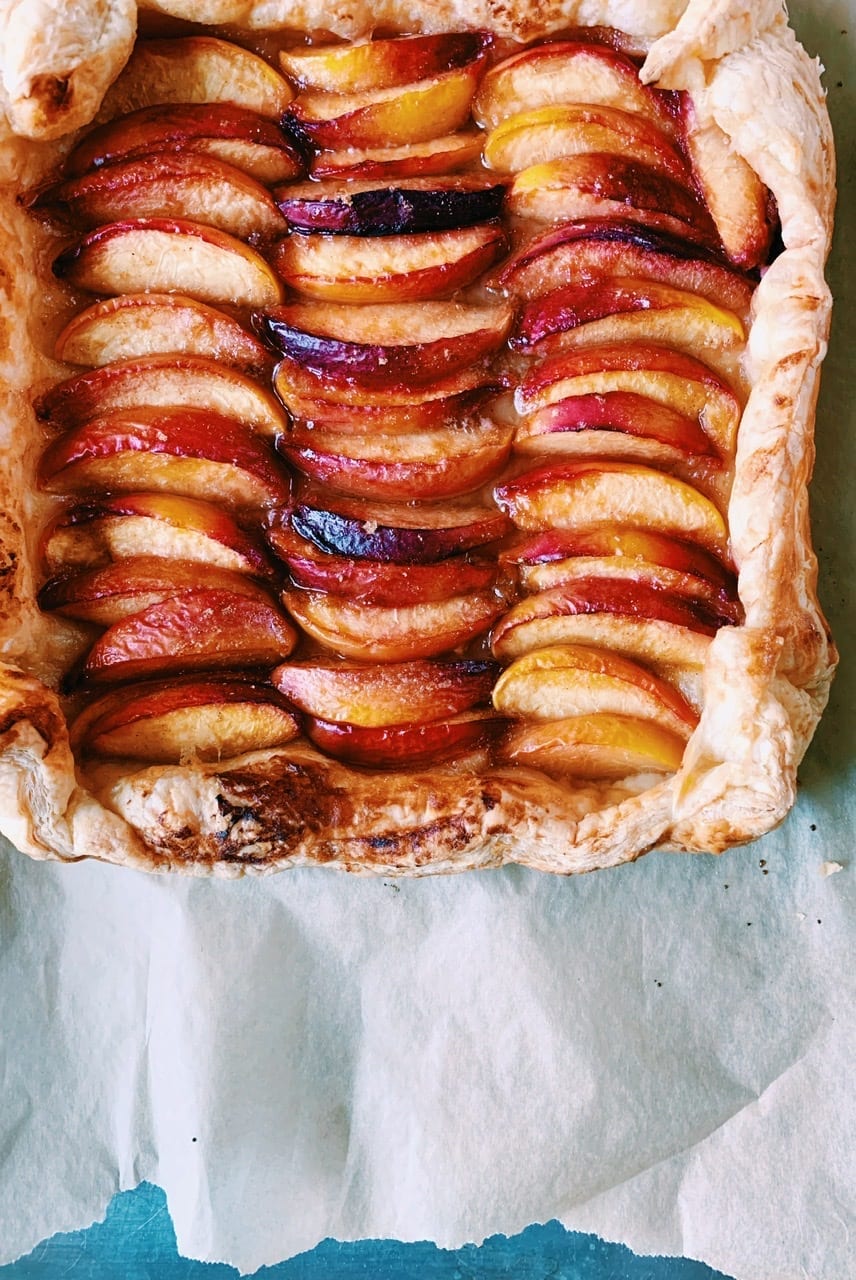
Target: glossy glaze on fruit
456 331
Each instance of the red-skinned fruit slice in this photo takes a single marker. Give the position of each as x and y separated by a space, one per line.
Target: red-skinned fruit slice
600 310
396 693
572 680
436 157
115 591
397 345
136 325
377 581
596 249
631 618
198 68
163 381
204 630
169 185
584 494
320 396
598 185
240 137
398 533
604 746
553 132
381 64
187 453
363 419
416 112
405 746
564 72
672 378
115 526
627 545
394 269
393 634
616 424
169 255
426 465
169 721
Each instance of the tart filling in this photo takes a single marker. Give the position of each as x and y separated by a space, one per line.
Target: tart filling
404 434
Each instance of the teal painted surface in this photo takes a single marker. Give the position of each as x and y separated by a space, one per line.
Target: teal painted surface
136 1241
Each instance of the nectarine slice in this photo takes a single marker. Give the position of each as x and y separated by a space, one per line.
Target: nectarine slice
169 255
115 526
380 64
603 746
204 630
394 693
405 746
170 721
405 268
436 156
393 634
197 68
571 680
393 345
163 381
136 325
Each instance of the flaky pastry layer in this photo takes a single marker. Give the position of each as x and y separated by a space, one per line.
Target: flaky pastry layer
765 682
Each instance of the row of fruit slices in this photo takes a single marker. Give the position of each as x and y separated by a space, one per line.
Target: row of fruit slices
624 545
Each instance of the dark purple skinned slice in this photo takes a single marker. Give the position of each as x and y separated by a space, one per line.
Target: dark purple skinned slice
392 533
390 211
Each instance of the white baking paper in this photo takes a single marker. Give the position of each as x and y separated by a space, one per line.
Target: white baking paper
661 1054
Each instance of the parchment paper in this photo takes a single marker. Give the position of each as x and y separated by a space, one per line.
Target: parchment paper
661 1054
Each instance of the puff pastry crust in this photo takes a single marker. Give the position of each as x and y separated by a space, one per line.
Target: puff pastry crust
765 682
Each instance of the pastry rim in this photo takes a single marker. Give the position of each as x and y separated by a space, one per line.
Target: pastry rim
291 806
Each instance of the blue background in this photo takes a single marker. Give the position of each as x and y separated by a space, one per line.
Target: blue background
136 1241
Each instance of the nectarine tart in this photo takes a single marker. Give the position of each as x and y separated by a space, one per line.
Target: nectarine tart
408 417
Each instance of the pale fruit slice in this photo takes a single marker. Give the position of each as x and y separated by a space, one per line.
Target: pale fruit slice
111 592
435 157
584 494
163 381
414 113
170 185
739 203
600 185
417 466
550 133
632 619
232 134
136 325
170 721
169 255
564 72
571 680
389 634
615 425
671 378
595 747
197 68
601 248
405 268
622 309
116 526
392 693
380 64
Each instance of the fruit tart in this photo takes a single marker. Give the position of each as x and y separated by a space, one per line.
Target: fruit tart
407 424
